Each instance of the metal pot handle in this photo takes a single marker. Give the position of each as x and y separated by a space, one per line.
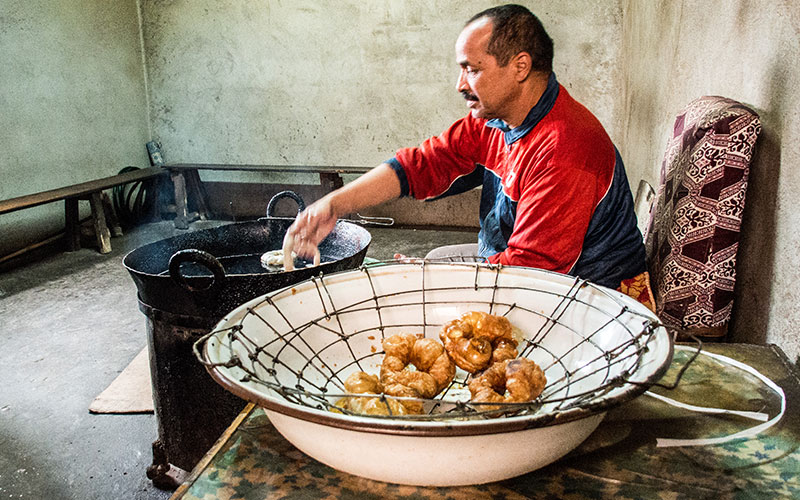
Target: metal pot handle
198 257
301 205
362 219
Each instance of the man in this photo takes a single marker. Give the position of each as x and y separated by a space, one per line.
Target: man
555 195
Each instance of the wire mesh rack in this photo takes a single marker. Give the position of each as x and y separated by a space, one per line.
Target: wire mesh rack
294 348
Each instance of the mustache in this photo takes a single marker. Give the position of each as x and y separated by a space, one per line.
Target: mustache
469 97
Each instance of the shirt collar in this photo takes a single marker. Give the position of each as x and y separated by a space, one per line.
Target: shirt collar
536 113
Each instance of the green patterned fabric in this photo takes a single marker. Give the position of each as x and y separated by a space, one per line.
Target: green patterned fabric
620 460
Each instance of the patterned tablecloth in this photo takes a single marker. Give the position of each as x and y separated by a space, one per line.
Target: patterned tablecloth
619 460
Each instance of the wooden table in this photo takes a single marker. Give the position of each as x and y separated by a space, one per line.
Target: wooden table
619 460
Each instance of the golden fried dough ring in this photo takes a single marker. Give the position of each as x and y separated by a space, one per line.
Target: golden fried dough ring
410 406
521 378
364 383
478 339
434 371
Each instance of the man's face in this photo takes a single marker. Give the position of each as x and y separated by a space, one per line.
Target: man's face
488 88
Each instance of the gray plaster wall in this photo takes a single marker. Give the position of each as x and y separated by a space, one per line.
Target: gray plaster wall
72 100
338 82
677 50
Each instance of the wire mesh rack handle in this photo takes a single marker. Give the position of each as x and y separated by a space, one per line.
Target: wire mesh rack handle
198 346
362 220
366 220
683 368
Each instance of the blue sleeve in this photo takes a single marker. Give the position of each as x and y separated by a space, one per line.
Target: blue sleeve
401 175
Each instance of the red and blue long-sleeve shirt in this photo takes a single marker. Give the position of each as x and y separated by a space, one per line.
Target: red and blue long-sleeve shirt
555 194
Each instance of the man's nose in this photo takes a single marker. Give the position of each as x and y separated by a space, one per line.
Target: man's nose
461 83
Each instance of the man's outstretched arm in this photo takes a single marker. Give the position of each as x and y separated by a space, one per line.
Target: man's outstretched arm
379 185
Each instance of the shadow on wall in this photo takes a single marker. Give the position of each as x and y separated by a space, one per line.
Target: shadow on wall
755 268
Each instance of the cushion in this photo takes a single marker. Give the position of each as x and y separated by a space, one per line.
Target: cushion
693 233
638 288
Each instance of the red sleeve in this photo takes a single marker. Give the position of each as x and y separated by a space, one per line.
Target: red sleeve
553 214
433 166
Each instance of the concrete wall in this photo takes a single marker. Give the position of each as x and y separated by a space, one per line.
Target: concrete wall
72 96
337 82
675 51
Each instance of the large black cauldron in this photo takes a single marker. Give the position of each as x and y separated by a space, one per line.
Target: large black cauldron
186 284
211 272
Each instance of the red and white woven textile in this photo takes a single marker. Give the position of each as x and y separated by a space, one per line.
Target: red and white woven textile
693 234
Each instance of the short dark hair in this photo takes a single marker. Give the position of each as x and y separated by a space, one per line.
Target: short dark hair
515 29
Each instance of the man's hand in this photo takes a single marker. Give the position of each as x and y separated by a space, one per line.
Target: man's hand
317 221
311 227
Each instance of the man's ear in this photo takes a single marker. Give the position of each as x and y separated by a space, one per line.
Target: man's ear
522 65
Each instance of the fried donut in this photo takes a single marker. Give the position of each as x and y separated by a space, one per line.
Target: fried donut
477 339
364 383
434 369
520 377
410 406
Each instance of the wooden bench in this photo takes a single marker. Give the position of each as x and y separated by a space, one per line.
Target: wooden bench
186 180
92 191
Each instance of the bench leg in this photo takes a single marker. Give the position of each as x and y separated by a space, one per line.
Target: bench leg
111 215
181 205
100 226
195 186
330 181
73 227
